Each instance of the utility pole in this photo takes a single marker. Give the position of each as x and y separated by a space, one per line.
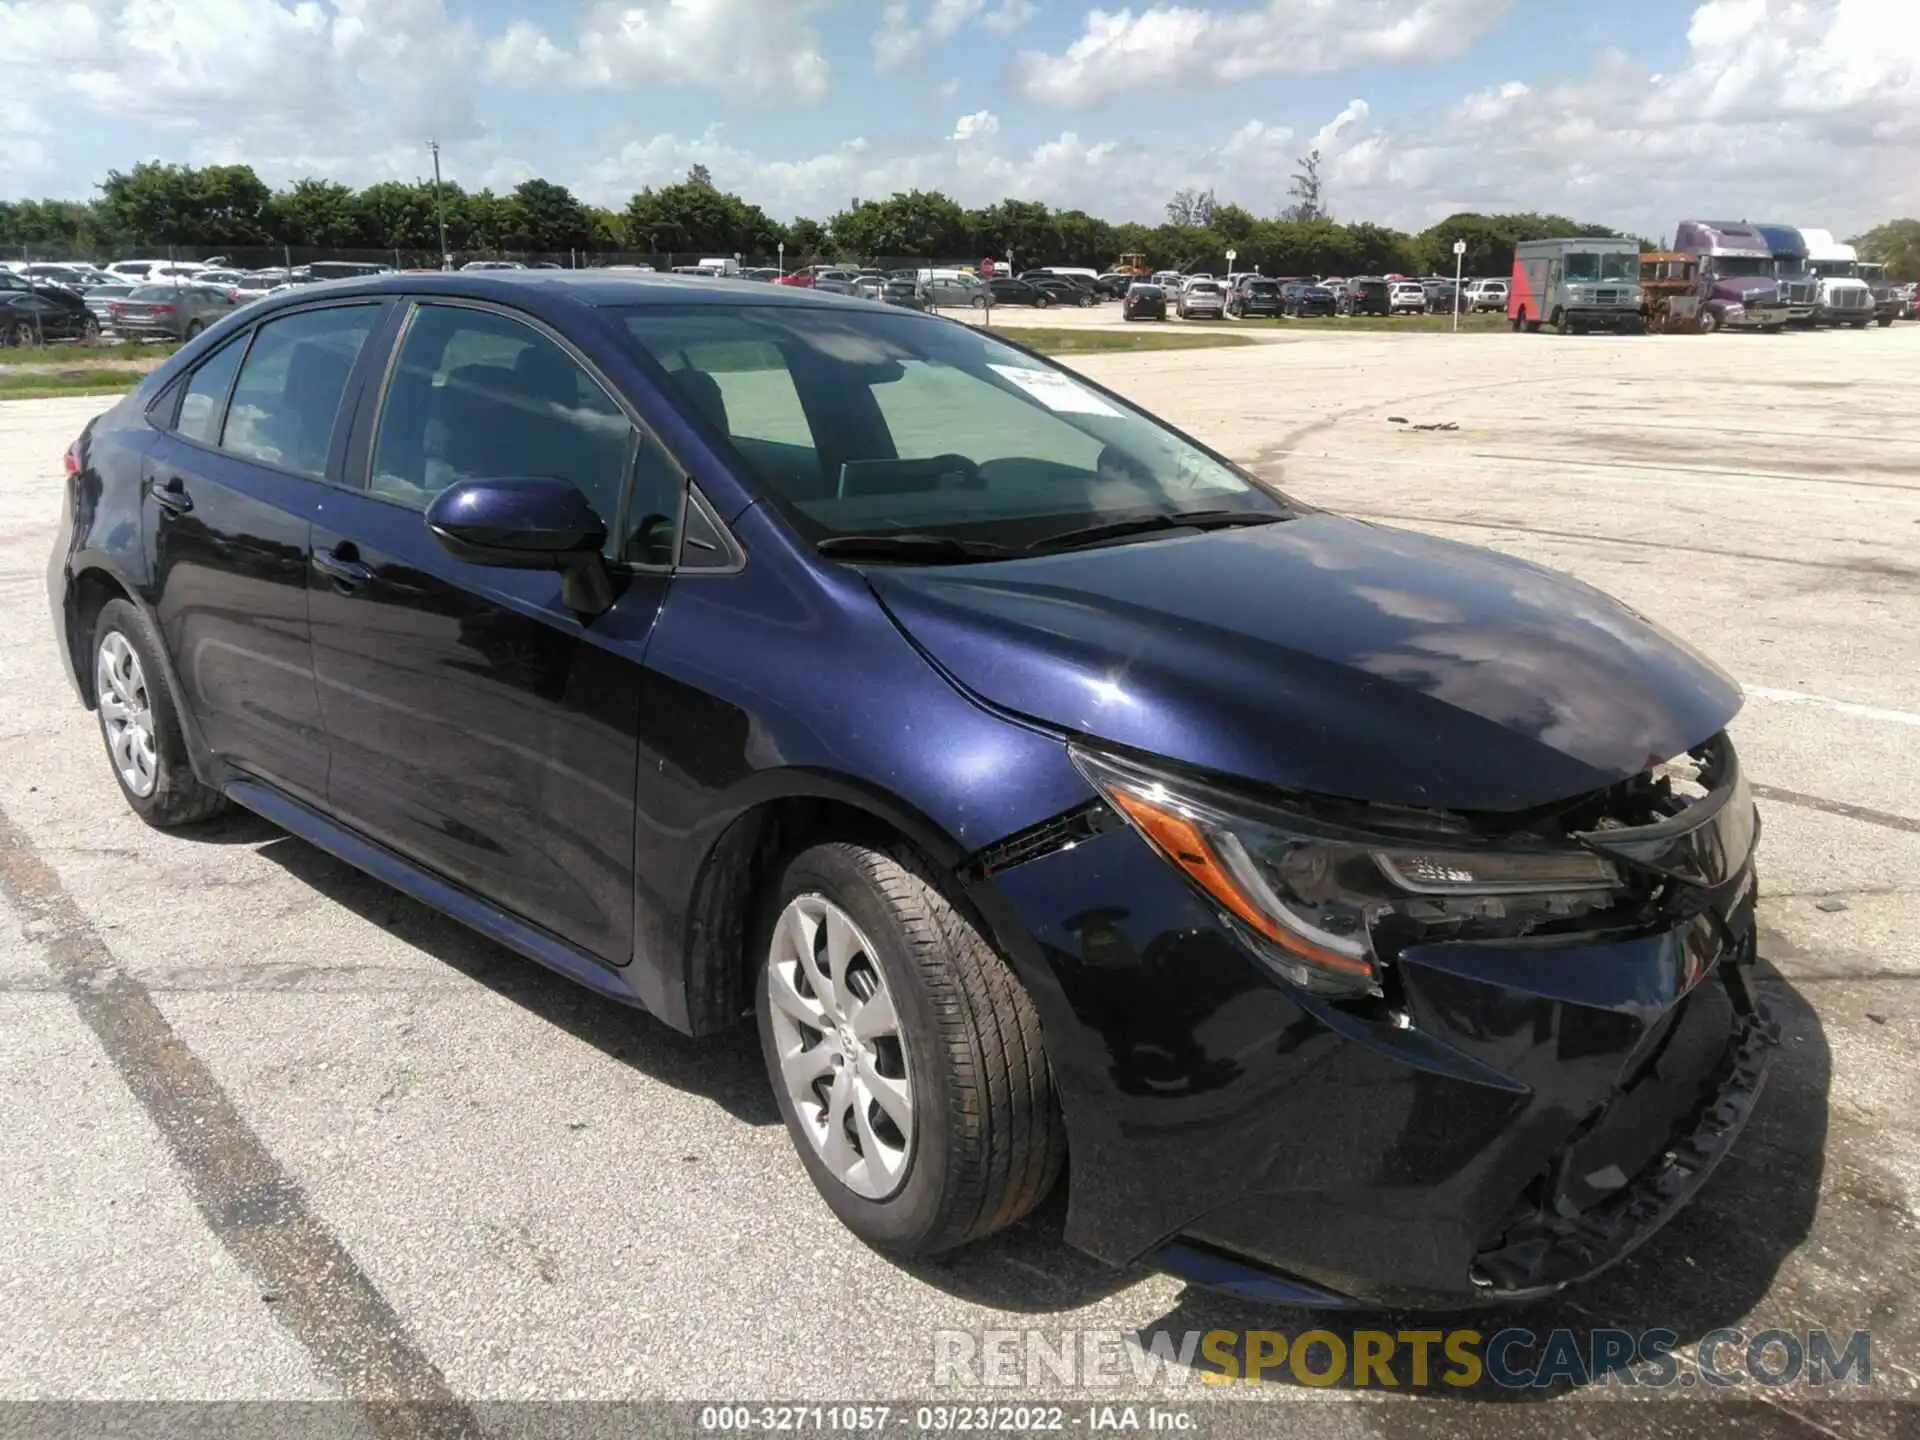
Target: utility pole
439 209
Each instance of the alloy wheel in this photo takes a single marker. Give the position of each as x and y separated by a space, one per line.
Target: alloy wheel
842 1055
126 714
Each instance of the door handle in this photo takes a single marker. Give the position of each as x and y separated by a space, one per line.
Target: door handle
342 569
171 496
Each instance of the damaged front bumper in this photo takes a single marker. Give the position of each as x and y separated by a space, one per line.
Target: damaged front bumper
1508 1119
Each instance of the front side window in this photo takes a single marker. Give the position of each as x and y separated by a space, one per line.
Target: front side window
287 398
479 395
205 400
871 424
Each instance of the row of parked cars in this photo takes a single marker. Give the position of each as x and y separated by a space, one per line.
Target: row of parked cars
1253 296
46 301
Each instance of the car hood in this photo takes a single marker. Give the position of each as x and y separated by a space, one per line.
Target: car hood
1324 655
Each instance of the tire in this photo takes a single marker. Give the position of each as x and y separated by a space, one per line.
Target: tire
1086 302
1520 320
1709 322
140 709
1042 302
1858 324
1561 325
1885 321
90 331
986 1141
979 302
194 327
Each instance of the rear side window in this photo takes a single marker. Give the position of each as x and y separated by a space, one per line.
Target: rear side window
205 400
477 395
288 396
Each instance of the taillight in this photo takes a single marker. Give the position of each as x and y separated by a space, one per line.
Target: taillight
73 458
233 295
163 310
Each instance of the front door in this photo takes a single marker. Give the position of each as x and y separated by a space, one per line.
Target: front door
478 726
233 483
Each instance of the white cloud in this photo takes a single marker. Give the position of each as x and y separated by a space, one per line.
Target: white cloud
1795 111
899 41
352 87
976 126
1179 47
1104 177
756 52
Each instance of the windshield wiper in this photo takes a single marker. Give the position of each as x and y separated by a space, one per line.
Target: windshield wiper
914 548
1148 524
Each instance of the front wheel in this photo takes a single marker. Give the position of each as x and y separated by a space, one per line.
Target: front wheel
905 1054
1885 321
1086 302
145 744
1042 303
194 327
1709 322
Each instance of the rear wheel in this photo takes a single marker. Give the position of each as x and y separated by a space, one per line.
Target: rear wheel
979 302
145 744
1885 321
17 335
1519 319
194 327
905 1054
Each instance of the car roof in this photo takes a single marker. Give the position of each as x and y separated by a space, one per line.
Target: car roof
534 289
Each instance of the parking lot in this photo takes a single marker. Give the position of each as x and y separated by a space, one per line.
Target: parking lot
274 1131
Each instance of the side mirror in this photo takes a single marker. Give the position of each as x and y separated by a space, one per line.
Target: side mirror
531 522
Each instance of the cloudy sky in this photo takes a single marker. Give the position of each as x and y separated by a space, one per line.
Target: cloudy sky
1630 112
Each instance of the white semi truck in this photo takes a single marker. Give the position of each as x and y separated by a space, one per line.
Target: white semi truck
1844 297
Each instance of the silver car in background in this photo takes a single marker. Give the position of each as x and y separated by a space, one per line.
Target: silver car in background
1202 300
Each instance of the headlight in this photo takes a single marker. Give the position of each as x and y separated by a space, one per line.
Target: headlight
1323 904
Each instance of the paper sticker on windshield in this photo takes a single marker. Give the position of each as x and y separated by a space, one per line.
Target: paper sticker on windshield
1056 391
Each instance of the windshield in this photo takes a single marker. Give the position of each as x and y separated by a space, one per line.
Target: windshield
1789 266
1620 265
1839 269
1725 265
891 423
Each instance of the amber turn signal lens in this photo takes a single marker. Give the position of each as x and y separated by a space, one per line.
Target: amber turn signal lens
1184 843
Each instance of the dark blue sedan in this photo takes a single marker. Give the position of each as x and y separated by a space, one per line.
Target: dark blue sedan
1054 795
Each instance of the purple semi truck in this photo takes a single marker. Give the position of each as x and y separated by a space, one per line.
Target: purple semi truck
1738 288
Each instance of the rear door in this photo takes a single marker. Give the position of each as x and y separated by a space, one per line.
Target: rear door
478 726
248 443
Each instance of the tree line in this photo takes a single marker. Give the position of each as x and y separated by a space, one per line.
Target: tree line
229 208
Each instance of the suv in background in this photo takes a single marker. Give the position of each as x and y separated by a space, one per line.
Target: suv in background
1484 295
1306 298
1202 300
1254 296
1407 297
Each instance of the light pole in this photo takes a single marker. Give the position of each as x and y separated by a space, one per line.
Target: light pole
439 210
783 257
1459 250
